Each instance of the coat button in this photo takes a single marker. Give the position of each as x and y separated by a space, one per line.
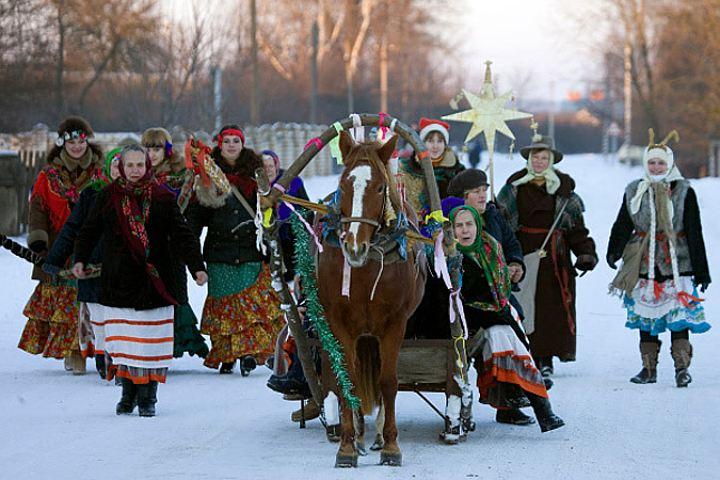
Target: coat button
236 237
236 212
237 260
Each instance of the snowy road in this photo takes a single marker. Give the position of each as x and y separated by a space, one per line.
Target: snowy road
55 425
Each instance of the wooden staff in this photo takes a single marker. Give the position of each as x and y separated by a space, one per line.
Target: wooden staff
277 268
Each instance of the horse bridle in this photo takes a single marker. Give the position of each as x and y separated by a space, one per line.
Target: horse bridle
370 221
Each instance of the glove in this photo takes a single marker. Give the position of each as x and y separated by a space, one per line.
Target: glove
585 263
612 259
39 247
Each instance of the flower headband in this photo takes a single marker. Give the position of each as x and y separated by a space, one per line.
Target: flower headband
73 135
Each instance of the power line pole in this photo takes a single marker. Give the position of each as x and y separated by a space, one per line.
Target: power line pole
217 95
314 72
255 94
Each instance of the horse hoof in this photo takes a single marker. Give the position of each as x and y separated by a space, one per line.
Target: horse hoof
377 446
345 461
392 459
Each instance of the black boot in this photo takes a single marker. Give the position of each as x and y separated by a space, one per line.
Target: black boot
513 416
128 400
147 398
681 351
545 365
649 354
247 365
226 368
544 414
100 365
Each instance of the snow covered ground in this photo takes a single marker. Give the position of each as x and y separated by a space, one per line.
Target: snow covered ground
225 427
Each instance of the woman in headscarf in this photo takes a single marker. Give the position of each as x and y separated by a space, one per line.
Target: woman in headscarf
659 237
52 311
507 375
138 221
242 312
531 200
91 333
171 174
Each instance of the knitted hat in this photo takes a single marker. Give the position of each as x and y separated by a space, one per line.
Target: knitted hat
73 127
466 180
429 125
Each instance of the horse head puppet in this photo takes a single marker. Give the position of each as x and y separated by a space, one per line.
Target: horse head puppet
368 197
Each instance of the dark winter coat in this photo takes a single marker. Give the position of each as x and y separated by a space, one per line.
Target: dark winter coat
623 229
532 210
497 226
62 248
230 229
297 189
124 281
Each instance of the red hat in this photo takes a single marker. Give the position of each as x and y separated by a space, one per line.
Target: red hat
428 125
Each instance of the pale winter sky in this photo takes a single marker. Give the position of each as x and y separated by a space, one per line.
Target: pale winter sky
532 43
544 40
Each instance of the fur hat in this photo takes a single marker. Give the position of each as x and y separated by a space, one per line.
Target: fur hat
73 127
466 180
542 142
429 125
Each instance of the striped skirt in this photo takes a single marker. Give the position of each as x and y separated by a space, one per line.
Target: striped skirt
139 342
507 370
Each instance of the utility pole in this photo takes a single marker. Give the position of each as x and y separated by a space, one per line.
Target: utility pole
383 74
217 95
255 94
627 86
315 38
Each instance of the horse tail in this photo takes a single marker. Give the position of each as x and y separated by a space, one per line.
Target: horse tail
367 368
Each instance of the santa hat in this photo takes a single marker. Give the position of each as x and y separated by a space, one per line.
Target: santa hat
429 125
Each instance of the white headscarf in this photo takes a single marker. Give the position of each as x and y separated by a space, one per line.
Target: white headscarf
552 181
672 174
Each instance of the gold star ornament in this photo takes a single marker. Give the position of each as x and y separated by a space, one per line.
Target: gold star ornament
488 113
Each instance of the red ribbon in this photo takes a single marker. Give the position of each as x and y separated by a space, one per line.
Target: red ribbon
314 141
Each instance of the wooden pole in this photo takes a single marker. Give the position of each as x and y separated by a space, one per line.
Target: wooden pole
288 305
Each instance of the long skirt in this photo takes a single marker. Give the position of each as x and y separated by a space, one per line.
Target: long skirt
52 326
507 370
139 342
241 314
656 306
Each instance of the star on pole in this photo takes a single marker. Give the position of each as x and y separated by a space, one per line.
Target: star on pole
488 116
488 113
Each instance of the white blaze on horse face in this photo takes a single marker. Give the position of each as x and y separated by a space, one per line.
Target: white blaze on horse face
360 176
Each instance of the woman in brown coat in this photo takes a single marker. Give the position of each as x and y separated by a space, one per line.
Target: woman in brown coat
531 200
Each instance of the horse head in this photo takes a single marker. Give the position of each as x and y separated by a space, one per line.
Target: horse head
365 188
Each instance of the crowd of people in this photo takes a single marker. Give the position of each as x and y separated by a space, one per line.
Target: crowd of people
128 224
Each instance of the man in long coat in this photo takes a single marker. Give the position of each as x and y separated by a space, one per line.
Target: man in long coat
531 199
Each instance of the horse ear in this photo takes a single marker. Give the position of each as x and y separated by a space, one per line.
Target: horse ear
346 143
386 151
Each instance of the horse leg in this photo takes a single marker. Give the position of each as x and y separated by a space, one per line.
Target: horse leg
347 453
379 442
389 351
359 423
453 432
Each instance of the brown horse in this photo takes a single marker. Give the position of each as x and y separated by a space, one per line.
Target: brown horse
370 321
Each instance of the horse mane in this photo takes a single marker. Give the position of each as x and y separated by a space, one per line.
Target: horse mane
366 152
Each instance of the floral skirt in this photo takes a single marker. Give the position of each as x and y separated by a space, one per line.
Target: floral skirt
241 314
507 370
658 306
52 326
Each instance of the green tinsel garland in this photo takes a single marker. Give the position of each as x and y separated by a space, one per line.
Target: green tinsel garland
305 267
